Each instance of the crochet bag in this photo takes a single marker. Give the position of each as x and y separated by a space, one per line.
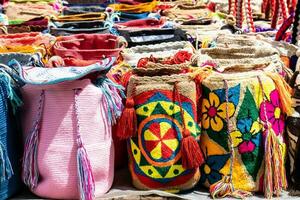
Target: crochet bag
67 125
78 27
86 49
10 139
166 49
243 123
137 8
161 117
152 36
80 17
25 42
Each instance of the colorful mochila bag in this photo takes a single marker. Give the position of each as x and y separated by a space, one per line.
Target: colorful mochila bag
86 49
166 49
10 138
67 125
160 116
243 124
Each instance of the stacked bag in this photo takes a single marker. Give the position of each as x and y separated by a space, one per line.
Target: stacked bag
186 94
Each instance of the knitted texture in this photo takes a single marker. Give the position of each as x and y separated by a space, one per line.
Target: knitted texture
166 113
245 107
58 137
10 147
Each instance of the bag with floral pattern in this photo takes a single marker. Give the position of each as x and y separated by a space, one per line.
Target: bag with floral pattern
243 110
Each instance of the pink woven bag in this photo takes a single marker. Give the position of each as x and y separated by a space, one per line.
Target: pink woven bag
75 153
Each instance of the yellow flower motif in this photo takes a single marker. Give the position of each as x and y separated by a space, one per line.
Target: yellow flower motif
247 137
213 113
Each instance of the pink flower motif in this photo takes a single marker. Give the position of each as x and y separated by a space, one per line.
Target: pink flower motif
274 114
246 147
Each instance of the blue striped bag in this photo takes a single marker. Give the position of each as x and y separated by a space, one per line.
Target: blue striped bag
10 139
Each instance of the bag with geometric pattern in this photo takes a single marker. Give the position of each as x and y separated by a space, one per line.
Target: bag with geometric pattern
160 120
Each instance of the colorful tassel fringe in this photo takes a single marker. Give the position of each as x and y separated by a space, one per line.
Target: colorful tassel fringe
274 178
10 92
85 175
274 175
86 181
113 94
284 90
30 168
224 188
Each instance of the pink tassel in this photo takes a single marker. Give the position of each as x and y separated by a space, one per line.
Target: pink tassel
30 168
86 181
85 174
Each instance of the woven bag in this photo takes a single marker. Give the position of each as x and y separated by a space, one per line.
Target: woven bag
67 125
247 102
161 116
28 11
152 36
166 49
138 8
184 11
10 139
25 42
86 49
78 27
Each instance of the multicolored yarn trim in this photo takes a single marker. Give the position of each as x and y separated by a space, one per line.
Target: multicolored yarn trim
86 181
224 187
11 94
274 176
112 99
30 169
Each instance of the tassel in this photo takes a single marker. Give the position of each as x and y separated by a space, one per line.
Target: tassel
85 175
127 125
274 175
224 188
6 171
274 178
112 98
192 156
86 181
284 90
10 92
30 168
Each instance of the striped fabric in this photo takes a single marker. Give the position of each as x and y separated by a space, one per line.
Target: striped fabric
10 156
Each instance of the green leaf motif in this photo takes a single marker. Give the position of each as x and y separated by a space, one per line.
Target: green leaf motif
248 107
